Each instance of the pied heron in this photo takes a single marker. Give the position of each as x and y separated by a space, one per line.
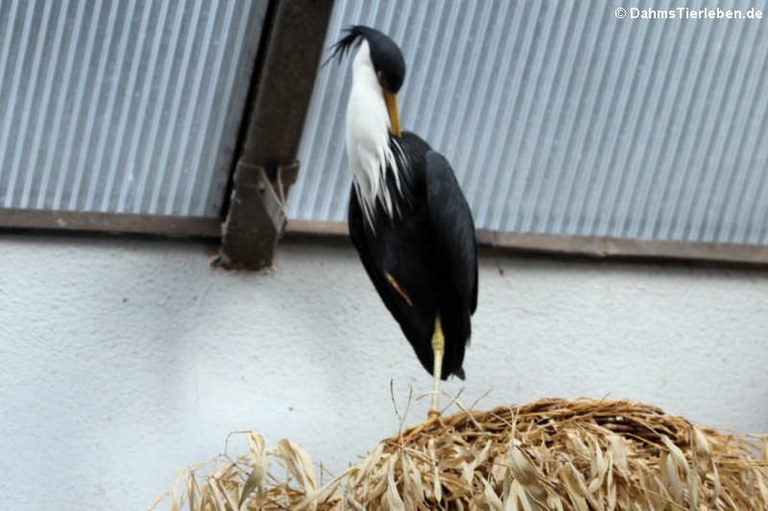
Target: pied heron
408 218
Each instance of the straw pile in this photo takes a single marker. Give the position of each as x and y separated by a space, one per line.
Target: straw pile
548 455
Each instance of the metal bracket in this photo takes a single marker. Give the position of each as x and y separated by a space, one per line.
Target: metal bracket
256 219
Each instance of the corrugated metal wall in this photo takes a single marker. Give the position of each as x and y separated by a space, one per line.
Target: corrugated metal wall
560 118
122 106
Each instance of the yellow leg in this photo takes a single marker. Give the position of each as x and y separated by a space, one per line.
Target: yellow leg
438 349
433 416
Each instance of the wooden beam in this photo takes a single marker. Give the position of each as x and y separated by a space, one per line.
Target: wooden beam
584 246
255 220
119 223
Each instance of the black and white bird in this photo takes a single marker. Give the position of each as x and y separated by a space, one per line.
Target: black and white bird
408 218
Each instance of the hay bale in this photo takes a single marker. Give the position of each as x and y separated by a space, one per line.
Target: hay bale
551 454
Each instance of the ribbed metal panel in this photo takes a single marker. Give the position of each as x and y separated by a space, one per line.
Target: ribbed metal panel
559 118
122 106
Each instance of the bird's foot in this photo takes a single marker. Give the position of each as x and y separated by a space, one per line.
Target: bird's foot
434 421
435 417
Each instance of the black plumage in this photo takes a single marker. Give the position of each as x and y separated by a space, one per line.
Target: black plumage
428 248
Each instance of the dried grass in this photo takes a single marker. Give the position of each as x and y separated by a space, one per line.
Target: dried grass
552 454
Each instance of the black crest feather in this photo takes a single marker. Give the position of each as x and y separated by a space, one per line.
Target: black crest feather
386 57
354 35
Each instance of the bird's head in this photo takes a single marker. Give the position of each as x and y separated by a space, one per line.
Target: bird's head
387 61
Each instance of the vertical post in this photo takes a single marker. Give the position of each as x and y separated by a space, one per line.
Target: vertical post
267 165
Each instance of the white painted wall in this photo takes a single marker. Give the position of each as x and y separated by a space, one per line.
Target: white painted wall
122 361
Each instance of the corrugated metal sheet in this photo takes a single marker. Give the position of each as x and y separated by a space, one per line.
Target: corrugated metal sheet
122 106
560 118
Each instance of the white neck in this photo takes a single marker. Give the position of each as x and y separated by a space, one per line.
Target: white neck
368 146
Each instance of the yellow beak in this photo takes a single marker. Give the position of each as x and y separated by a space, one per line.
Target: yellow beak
394 116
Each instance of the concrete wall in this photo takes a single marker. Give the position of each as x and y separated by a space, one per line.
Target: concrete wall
123 360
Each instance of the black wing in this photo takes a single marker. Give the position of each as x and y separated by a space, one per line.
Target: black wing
453 228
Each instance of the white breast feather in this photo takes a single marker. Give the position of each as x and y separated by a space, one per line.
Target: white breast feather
368 137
